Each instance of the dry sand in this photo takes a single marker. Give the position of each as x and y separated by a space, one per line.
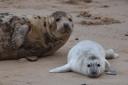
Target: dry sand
22 72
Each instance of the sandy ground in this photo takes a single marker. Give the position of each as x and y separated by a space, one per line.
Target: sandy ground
22 72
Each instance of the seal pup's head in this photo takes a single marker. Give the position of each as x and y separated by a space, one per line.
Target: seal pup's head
93 66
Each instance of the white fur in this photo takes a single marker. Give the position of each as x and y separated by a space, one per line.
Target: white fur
80 56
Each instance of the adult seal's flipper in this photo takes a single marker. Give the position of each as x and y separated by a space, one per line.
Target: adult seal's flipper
32 58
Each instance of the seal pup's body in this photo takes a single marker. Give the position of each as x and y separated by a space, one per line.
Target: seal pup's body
87 58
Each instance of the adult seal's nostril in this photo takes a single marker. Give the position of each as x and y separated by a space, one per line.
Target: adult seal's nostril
66 25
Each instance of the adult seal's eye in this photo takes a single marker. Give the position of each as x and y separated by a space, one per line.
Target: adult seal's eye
70 19
88 65
58 19
98 65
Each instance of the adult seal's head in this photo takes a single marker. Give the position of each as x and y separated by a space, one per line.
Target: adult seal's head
63 21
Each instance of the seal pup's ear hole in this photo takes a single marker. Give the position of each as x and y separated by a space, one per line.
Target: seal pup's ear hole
65 68
110 54
109 70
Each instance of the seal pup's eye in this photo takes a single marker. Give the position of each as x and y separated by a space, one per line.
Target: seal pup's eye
88 65
98 65
58 19
70 19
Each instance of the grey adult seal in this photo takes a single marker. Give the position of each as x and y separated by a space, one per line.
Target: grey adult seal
32 37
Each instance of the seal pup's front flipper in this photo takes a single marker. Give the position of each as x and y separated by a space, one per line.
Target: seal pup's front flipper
61 69
109 70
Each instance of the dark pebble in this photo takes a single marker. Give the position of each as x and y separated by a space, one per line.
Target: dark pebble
105 6
126 34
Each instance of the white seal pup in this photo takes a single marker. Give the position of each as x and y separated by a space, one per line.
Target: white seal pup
88 58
